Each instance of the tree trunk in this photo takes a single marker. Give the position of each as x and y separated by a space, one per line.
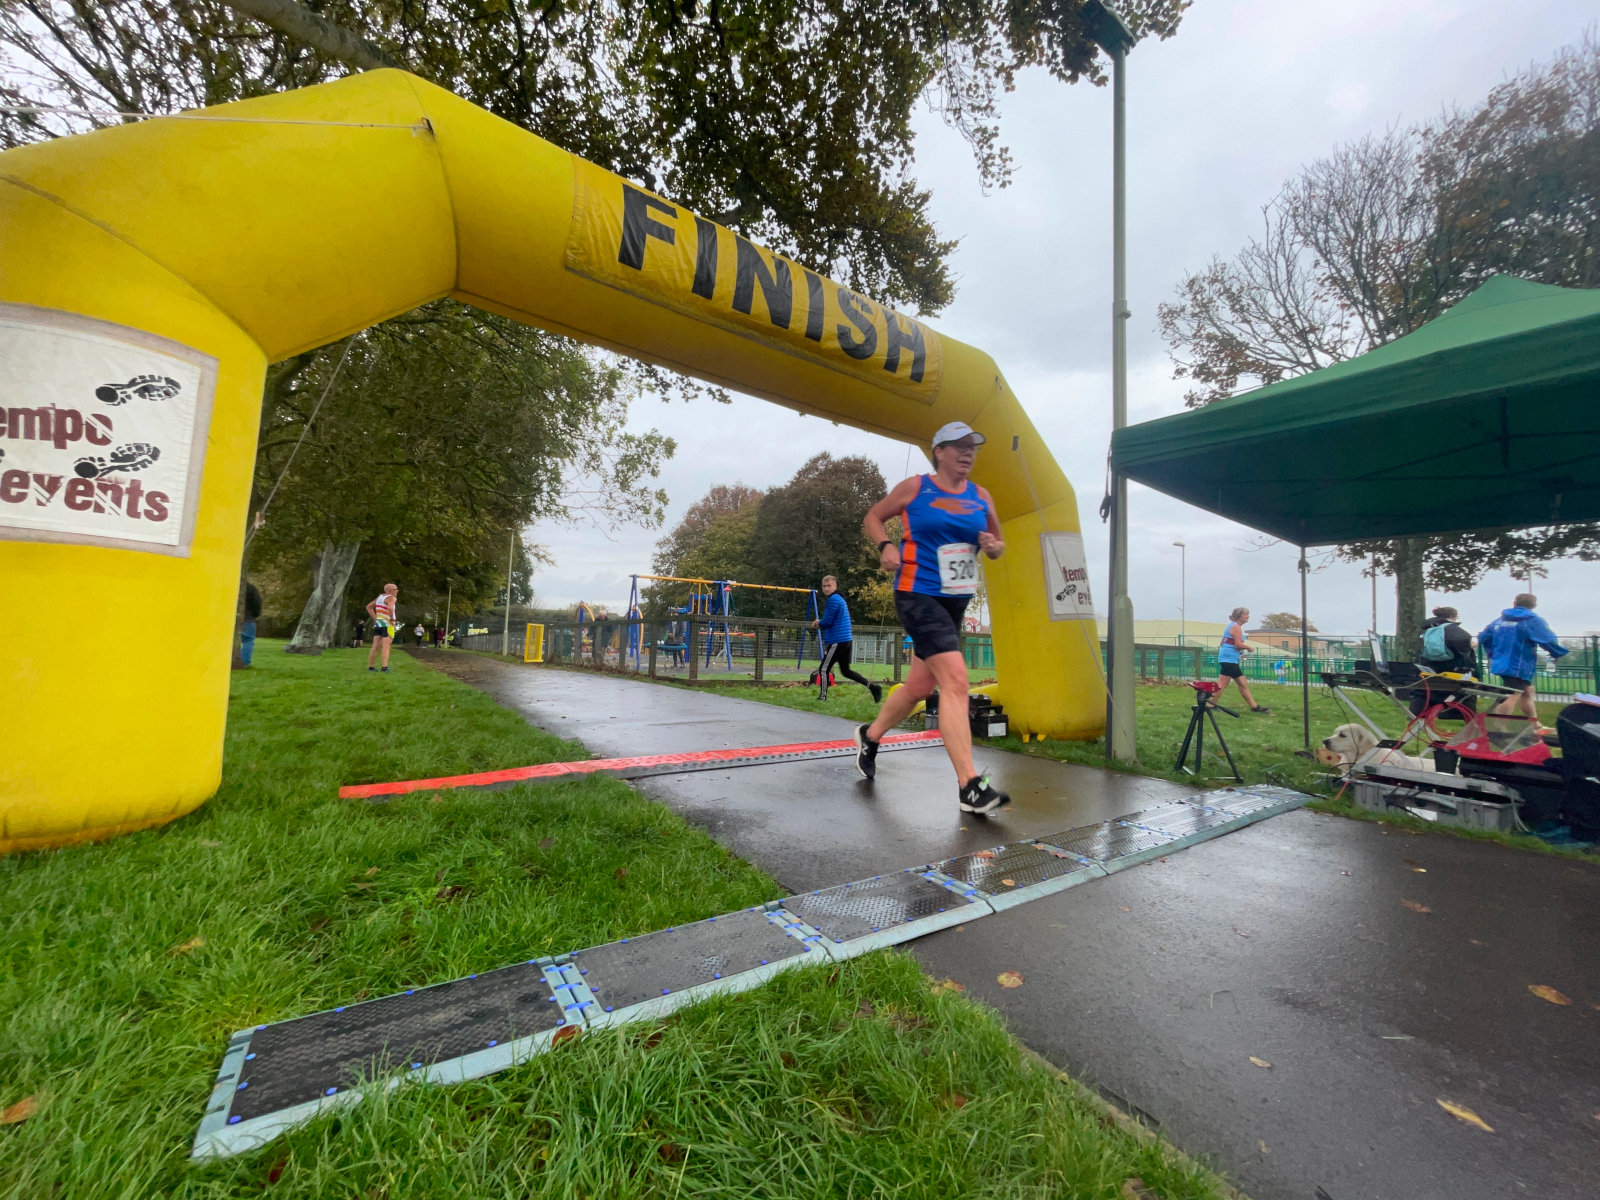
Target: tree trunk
1411 597
319 622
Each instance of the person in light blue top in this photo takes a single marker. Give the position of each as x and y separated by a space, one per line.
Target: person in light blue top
838 641
1512 641
1228 660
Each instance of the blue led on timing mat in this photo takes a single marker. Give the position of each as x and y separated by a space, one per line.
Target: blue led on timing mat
234 1120
249 1056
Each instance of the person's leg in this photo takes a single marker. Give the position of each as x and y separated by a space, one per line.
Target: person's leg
386 644
1244 691
372 654
247 642
949 671
828 653
845 659
1527 702
918 686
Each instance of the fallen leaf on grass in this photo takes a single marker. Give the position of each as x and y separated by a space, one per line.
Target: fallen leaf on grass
866 1009
1009 979
1134 1189
833 976
1415 907
1009 882
1261 1062
566 1033
620 873
1545 992
670 1152
361 887
1462 1113
546 843
193 943
275 1171
450 891
946 985
787 1059
19 1112
956 1100
318 925
371 871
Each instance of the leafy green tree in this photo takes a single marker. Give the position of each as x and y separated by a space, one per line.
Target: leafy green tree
1384 235
712 541
811 526
429 439
1285 622
790 123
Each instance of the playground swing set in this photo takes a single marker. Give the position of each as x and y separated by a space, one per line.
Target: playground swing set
713 600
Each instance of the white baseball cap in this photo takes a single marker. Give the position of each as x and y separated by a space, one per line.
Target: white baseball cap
955 431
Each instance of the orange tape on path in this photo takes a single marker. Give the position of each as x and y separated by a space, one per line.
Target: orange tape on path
593 766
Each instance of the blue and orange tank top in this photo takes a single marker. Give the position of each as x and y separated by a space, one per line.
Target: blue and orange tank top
939 553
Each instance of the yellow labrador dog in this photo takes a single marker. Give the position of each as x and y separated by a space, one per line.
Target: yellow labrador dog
1351 744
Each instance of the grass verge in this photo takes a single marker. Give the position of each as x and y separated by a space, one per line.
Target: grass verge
127 965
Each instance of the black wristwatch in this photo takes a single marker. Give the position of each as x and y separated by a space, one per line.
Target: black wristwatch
885 542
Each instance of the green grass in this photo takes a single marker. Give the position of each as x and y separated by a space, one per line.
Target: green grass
853 1081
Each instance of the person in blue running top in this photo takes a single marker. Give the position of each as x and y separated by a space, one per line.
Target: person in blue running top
949 521
838 641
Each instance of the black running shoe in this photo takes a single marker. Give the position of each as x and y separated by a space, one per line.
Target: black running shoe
980 797
877 693
866 753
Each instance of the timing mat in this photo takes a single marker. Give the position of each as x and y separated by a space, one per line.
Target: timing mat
279 1075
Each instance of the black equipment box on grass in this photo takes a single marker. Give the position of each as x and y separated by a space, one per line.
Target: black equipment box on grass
987 719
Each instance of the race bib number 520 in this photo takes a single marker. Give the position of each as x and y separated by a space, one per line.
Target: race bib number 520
958 569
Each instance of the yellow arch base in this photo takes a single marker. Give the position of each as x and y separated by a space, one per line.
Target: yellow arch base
152 271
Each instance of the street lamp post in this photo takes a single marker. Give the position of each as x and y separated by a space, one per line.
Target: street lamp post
1106 27
1183 571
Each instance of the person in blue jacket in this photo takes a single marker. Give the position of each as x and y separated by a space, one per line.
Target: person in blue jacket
1510 641
838 640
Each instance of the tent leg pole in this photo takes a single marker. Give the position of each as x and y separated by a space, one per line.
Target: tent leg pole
1305 643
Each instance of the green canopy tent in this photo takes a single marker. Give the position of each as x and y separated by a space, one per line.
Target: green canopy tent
1488 416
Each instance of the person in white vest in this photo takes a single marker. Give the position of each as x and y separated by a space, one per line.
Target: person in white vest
382 611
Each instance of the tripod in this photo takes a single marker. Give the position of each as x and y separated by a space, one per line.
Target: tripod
1205 711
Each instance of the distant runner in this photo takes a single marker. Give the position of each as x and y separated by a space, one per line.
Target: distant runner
948 520
382 612
838 641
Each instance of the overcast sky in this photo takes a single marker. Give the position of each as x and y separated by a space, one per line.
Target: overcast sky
1219 117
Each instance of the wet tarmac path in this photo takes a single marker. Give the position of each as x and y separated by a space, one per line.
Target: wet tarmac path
1378 972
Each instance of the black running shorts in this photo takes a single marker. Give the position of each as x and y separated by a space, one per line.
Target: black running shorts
934 622
1231 670
1515 682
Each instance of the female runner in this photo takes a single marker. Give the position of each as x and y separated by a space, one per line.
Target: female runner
948 520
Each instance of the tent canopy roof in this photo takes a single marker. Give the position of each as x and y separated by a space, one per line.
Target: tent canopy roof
1487 417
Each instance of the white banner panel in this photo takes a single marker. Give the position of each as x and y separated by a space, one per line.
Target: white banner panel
102 432
1066 577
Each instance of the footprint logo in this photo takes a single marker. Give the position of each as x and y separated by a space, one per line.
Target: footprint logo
140 387
135 456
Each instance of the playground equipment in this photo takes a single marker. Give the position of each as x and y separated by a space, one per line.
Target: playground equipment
153 270
713 599
533 644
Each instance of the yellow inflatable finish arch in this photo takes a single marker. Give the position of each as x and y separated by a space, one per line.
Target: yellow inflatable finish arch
150 273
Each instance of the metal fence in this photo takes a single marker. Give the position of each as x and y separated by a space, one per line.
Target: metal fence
1577 671
695 648
761 649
